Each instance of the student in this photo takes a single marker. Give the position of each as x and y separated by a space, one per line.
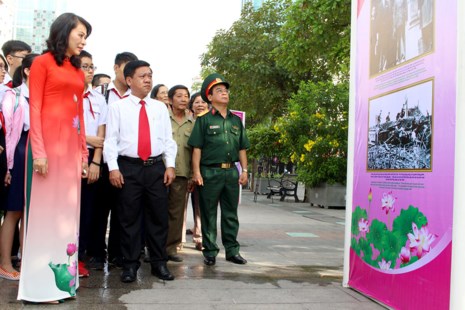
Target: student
14 52
15 108
95 114
106 196
100 79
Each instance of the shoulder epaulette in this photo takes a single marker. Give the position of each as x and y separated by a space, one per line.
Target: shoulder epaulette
203 113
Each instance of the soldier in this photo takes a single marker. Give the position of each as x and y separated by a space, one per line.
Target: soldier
219 141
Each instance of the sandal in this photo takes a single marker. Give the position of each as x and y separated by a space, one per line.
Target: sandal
14 276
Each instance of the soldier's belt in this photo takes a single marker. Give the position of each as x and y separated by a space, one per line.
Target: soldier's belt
221 165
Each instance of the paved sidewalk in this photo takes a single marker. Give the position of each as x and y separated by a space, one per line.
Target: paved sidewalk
295 255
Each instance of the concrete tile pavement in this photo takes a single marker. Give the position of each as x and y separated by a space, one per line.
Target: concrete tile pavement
295 255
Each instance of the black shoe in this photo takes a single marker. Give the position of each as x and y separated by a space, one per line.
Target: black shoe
237 259
116 262
189 231
175 258
129 275
96 263
162 272
209 260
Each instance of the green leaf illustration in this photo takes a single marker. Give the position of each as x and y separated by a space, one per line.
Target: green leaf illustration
375 236
402 225
358 214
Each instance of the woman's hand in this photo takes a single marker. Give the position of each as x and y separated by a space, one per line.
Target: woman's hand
40 166
85 170
8 178
94 173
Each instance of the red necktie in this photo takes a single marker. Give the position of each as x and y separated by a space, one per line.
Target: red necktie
117 94
10 84
86 95
144 148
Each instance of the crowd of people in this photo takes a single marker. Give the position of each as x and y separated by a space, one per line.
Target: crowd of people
78 149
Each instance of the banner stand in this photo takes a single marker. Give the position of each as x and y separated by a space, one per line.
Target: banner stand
457 300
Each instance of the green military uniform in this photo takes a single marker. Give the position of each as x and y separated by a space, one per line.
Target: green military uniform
220 140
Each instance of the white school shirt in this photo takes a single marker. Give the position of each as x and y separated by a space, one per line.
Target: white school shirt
122 131
99 116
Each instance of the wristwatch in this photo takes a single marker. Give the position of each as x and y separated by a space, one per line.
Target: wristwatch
244 170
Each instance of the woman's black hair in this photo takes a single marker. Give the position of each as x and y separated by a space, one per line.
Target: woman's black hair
19 75
191 102
4 60
57 42
155 90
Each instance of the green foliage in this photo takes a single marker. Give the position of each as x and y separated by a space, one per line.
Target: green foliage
315 131
264 141
244 54
316 36
357 215
288 65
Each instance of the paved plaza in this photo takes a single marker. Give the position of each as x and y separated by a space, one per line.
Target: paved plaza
295 255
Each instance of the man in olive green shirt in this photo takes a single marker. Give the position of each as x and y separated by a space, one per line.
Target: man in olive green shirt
219 141
182 124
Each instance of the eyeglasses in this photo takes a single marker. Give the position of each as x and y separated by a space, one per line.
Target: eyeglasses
88 68
2 68
222 91
20 57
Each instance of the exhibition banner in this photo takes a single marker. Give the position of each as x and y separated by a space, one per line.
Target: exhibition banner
403 170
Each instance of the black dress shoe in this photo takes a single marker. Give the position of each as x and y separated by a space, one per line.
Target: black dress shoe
162 273
128 275
175 258
96 263
237 259
209 260
116 262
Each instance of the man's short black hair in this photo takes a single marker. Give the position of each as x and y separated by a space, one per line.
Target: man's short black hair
132 66
173 90
13 46
97 77
85 54
124 57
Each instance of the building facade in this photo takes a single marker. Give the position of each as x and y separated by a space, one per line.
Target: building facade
30 21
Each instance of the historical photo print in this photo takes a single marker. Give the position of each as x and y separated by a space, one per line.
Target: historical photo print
400 30
400 129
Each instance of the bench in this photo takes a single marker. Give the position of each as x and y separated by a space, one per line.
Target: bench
285 186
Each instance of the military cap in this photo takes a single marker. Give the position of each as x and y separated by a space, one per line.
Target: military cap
210 81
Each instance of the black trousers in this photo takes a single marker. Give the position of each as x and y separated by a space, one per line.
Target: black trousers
87 212
106 202
144 197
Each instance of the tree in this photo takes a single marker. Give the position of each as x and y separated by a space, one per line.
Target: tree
315 40
315 131
244 54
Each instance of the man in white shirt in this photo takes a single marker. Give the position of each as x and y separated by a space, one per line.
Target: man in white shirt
138 146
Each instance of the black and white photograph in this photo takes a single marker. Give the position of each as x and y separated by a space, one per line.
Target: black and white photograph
400 129
400 30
